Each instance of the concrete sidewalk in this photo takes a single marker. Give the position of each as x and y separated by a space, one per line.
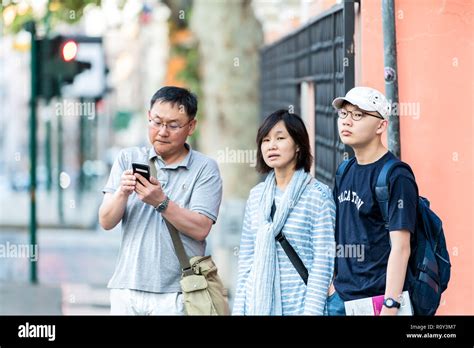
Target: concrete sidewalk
73 269
27 299
66 299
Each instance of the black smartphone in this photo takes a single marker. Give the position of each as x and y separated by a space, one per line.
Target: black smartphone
142 169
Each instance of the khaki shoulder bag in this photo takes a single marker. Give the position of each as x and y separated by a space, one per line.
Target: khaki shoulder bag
202 288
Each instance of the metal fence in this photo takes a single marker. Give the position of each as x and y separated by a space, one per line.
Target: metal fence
321 53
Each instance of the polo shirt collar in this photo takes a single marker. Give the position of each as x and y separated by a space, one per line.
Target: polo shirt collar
184 163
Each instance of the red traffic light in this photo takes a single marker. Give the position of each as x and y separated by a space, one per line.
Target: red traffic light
69 50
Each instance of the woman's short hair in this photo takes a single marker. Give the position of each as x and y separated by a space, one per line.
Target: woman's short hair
297 130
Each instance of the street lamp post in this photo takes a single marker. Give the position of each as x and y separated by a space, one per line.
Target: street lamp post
31 27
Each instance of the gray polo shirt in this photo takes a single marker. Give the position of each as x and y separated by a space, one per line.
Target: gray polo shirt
146 259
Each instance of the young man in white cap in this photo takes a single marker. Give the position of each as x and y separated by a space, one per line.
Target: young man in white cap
382 267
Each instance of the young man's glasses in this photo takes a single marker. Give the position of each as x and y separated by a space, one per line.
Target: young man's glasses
355 115
172 127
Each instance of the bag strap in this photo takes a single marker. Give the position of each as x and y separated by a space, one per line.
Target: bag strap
290 252
342 169
186 268
382 189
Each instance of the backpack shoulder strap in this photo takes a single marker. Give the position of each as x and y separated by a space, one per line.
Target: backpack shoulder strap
382 189
342 170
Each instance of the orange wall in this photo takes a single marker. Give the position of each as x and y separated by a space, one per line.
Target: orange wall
435 47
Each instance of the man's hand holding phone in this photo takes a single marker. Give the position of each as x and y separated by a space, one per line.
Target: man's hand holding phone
128 182
147 187
129 179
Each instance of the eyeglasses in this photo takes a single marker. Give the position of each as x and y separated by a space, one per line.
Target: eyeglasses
172 127
355 115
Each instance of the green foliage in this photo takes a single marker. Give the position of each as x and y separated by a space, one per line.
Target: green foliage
19 20
69 11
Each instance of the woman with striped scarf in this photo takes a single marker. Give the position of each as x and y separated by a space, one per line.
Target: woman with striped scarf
290 200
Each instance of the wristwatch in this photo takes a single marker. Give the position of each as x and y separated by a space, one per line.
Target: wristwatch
391 303
163 205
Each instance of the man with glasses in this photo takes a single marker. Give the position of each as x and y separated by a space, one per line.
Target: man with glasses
187 192
363 117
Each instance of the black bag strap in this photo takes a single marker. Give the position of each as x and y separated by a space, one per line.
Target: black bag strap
382 189
186 268
290 252
341 170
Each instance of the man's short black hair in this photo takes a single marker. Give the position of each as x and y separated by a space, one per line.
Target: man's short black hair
297 130
177 96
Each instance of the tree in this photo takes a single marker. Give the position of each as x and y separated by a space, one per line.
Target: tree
229 37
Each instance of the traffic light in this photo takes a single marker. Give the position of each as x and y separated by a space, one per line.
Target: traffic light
57 65
47 82
69 50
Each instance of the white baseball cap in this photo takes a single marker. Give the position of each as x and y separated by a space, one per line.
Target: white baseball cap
367 99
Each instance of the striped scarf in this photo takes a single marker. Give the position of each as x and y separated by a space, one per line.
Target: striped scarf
265 294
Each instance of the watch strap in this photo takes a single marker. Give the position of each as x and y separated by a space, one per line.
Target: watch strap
163 205
394 303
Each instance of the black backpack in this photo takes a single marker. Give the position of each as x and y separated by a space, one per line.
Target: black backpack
429 268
